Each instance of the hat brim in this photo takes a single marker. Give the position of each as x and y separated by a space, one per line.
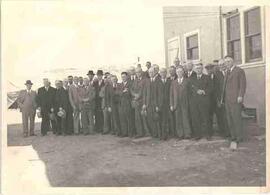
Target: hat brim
90 74
28 83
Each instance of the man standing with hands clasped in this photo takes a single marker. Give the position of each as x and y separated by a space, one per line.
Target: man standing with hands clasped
234 96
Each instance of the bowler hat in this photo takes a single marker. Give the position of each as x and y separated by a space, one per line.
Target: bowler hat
28 82
99 72
90 72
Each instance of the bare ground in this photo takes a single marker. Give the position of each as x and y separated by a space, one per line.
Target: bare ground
106 160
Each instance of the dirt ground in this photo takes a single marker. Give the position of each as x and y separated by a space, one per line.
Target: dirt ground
106 160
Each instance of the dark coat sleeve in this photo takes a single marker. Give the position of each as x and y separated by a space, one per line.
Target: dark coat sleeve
242 83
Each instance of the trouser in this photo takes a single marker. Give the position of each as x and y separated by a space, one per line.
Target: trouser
60 125
200 117
87 116
153 121
235 123
222 121
28 116
68 127
125 121
139 121
183 129
164 124
99 119
132 120
46 123
115 120
172 123
107 120
76 121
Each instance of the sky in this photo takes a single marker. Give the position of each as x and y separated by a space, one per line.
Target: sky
40 36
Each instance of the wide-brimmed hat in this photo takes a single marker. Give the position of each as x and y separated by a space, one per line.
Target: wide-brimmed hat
100 72
90 72
28 82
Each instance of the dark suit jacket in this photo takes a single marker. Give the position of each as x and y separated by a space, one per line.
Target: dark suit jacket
152 95
219 85
203 83
236 85
137 92
45 99
179 94
165 95
98 99
193 74
61 99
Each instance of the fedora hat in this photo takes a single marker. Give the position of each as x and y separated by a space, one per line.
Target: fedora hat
100 72
28 82
90 72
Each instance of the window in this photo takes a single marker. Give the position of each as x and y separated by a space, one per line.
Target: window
173 50
233 38
192 47
253 39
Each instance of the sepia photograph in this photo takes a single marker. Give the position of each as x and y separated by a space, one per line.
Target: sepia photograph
134 97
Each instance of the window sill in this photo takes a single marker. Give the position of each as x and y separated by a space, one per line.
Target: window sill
252 64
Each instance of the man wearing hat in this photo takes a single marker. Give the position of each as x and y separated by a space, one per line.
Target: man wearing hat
99 83
91 75
27 104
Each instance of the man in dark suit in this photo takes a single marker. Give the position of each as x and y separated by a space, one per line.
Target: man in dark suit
106 93
125 106
115 100
234 98
212 95
146 73
27 104
179 104
45 102
132 78
61 103
200 87
172 117
99 118
189 72
69 112
152 101
137 102
165 105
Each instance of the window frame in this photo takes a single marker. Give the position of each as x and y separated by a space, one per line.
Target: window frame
228 41
186 36
242 11
176 38
248 60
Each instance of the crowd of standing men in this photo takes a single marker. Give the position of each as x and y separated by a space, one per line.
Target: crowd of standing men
179 103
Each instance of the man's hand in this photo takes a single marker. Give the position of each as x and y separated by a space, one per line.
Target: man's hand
200 92
240 99
109 109
157 109
172 109
144 107
52 109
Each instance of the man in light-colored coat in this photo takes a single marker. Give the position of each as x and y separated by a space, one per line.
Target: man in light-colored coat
234 97
27 104
74 98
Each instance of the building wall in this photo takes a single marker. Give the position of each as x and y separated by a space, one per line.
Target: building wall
184 20
181 20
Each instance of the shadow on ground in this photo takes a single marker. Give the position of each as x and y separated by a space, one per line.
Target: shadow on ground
106 160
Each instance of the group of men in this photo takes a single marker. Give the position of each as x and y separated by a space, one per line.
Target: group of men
179 103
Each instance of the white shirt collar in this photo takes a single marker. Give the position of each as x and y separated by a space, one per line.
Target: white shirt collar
232 68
